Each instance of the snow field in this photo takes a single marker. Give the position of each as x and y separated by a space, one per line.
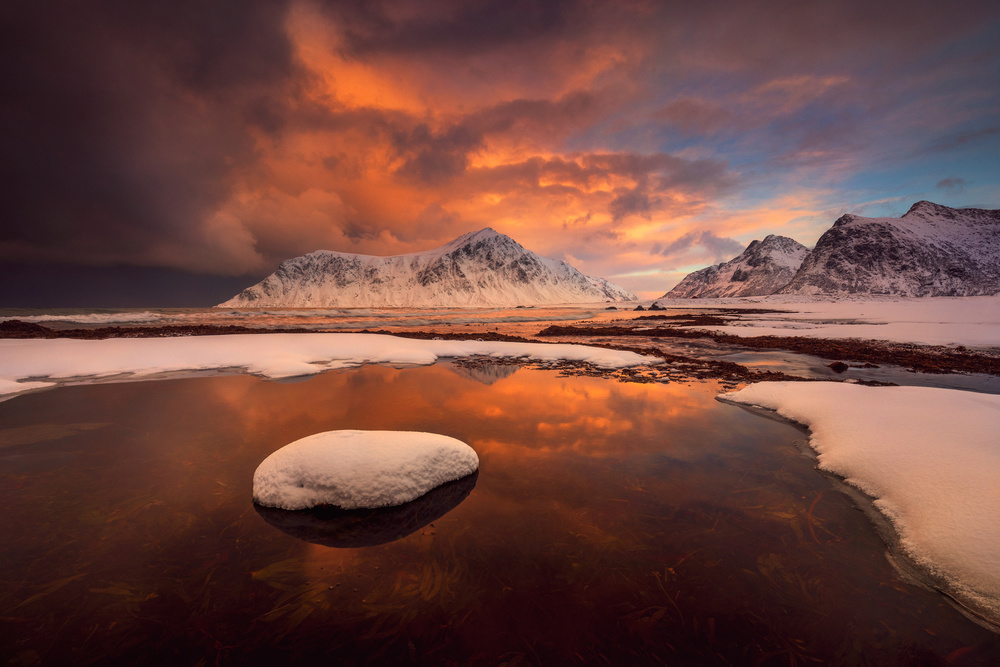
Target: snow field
973 321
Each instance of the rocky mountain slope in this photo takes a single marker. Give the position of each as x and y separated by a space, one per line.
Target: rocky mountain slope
483 268
763 268
932 250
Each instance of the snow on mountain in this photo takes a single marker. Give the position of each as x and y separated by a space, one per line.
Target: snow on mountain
479 269
763 268
932 250
611 291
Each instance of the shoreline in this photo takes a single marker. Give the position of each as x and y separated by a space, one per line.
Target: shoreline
646 329
676 367
968 601
918 358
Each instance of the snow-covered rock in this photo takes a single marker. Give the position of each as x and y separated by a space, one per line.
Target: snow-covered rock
927 457
762 269
483 268
932 250
360 469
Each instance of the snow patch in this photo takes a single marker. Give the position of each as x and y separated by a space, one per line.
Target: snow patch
360 469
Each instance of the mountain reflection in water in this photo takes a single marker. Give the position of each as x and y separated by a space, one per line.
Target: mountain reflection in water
610 522
334 527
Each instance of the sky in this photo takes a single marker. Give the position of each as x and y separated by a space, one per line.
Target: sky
172 153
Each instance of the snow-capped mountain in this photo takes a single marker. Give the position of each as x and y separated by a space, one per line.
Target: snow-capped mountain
483 268
763 268
611 291
932 250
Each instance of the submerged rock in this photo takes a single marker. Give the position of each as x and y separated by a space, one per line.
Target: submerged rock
360 469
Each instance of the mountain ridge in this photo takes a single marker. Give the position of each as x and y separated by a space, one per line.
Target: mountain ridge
483 268
761 269
931 250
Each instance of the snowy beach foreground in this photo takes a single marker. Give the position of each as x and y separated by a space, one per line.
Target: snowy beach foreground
33 364
928 457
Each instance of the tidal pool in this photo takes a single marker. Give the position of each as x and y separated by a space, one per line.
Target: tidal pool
609 522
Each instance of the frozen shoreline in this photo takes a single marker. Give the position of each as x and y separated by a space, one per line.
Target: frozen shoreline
926 458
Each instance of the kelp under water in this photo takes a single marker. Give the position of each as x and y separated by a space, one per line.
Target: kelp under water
610 522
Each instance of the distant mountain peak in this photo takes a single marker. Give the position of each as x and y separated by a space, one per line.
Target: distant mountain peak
482 234
479 269
932 250
762 268
924 206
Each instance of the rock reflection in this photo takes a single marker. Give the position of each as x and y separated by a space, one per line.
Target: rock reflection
348 529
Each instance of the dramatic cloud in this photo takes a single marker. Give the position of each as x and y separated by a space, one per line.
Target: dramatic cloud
626 137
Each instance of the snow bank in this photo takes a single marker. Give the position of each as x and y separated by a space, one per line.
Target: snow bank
928 457
269 355
360 469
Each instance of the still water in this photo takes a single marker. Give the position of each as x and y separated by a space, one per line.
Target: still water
609 523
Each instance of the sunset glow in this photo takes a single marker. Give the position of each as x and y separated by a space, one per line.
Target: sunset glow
635 140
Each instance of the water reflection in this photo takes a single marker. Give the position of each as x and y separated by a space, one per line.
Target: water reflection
366 527
611 522
487 374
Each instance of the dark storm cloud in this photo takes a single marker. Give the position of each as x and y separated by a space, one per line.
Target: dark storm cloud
455 28
630 202
539 118
357 230
775 35
210 46
121 121
434 157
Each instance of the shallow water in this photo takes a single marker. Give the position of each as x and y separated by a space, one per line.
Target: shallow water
610 522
